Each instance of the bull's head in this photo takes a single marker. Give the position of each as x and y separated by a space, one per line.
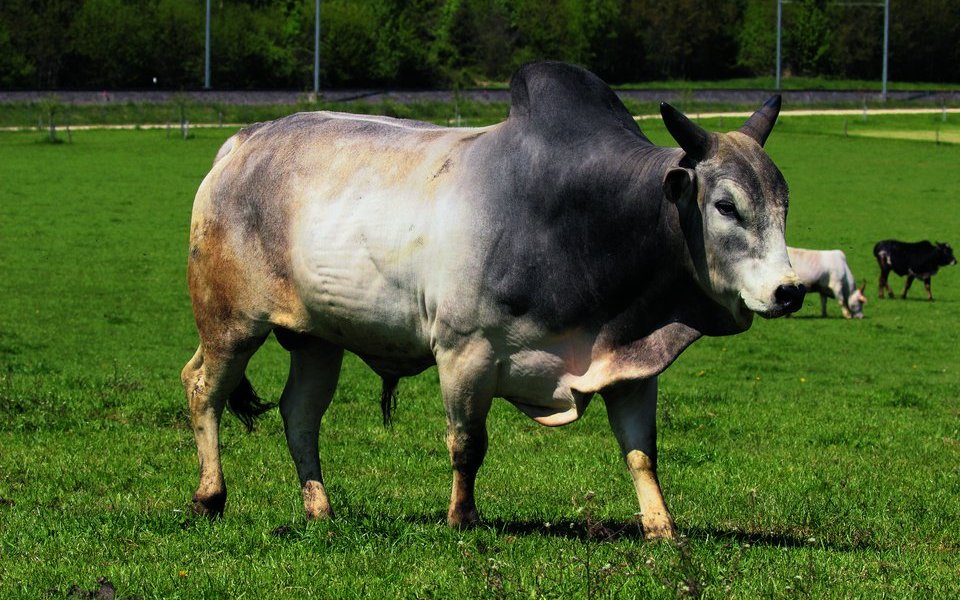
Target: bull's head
946 254
733 204
856 300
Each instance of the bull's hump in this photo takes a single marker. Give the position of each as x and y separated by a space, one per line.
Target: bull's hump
557 97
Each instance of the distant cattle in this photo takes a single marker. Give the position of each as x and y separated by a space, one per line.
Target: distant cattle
553 256
827 273
916 260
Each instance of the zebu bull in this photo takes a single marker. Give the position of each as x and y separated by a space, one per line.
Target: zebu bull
553 256
827 273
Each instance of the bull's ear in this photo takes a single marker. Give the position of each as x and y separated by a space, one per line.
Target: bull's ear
678 183
694 140
863 286
760 124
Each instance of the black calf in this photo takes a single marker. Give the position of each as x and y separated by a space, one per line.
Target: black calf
916 260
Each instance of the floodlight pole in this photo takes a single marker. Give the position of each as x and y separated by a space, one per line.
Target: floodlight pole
206 53
316 52
886 45
779 21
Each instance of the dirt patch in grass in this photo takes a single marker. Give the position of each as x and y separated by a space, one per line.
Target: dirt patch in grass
943 137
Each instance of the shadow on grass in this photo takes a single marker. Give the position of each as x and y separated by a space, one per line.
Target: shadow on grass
613 530
597 530
590 529
779 539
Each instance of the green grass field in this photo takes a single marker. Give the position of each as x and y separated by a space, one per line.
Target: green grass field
807 457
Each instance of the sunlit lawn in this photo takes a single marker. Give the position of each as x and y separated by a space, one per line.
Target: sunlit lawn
807 456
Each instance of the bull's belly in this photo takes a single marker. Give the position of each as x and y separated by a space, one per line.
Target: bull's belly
387 331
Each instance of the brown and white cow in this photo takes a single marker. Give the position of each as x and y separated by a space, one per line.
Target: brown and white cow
827 273
551 257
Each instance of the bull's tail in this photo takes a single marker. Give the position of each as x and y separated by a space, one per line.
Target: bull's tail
883 257
388 398
246 405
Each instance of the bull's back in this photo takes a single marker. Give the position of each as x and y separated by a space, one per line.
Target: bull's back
340 210
816 269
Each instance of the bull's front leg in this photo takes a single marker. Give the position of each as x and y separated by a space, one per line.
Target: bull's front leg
844 310
467 381
632 412
906 287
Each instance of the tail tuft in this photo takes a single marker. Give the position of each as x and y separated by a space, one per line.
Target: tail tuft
246 405
388 398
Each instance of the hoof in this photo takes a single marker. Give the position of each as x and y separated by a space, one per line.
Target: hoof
660 532
319 515
209 506
463 519
315 501
658 527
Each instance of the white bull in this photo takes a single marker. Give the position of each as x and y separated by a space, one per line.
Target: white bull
827 273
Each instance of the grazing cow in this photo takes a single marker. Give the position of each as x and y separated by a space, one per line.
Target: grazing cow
916 260
542 260
826 272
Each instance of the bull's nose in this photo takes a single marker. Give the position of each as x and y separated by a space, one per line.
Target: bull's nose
790 297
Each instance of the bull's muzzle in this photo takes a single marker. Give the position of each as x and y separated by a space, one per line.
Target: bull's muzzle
789 297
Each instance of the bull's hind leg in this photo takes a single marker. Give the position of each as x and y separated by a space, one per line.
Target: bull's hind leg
467 382
632 412
314 371
209 379
884 285
926 286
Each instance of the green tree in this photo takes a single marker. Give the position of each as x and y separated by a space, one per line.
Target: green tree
923 40
38 31
477 40
15 69
692 39
176 59
856 48
549 30
807 36
254 45
110 44
758 37
348 47
404 43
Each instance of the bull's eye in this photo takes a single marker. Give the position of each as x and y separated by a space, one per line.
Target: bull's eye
726 208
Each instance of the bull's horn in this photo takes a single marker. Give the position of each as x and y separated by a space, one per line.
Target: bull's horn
694 140
760 124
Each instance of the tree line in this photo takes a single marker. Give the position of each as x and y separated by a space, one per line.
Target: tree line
264 44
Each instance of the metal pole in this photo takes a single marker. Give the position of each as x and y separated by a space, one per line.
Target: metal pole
206 53
316 52
886 45
779 20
